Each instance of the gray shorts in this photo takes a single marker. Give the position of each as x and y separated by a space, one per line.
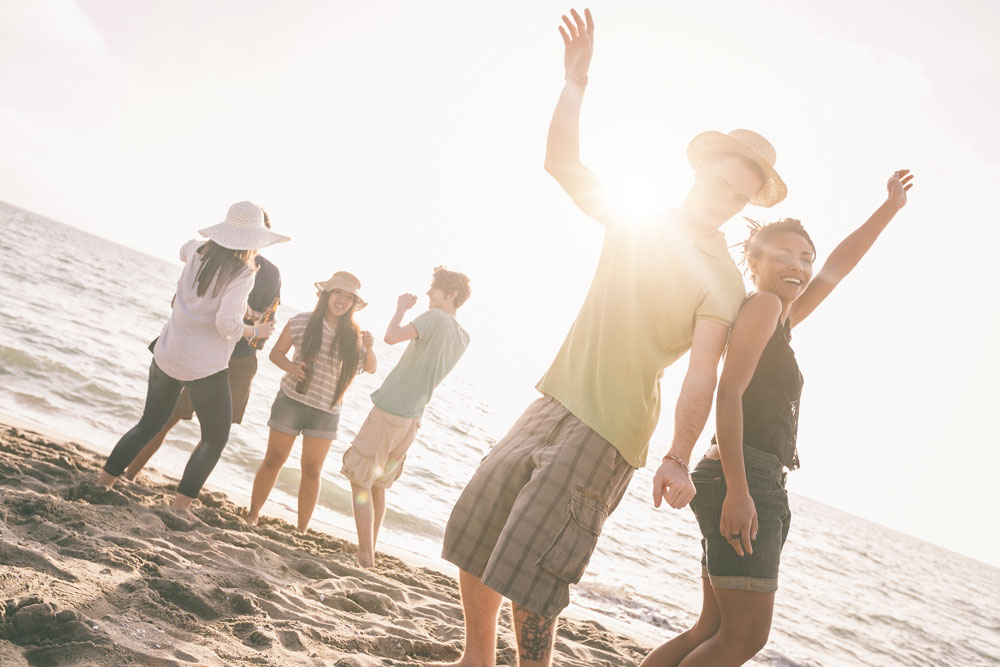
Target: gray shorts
294 417
528 521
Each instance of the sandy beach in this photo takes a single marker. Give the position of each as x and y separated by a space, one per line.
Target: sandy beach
96 577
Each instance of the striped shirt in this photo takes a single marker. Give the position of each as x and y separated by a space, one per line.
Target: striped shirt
326 367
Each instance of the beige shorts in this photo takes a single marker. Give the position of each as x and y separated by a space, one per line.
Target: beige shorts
376 456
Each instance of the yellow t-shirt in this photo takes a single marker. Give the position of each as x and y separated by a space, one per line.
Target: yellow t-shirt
653 281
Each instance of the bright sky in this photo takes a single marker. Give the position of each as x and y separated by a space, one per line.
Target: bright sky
387 138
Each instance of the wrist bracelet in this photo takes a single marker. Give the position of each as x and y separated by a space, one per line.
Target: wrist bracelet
578 80
679 461
255 331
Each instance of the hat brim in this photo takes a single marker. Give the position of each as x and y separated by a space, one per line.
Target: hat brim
359 303
242 239
707 144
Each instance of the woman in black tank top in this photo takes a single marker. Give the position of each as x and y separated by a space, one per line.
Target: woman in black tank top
741 504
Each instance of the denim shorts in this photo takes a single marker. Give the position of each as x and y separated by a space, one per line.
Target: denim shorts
720 563
292 417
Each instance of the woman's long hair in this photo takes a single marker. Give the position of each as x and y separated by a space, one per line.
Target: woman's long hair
347 338
222 264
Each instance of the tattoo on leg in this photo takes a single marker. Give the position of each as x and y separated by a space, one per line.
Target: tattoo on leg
536 635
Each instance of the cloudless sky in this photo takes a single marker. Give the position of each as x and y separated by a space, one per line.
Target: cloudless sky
387 138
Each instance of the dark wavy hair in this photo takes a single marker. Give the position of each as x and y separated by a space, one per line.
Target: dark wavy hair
760 234
223 264
347 338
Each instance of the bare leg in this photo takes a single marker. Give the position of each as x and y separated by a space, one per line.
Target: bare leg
480 604
743 629
364 520
314 451
535 636
279 446
672 652
140 460
378 509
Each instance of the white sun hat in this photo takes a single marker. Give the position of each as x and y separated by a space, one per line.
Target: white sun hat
243 229
748 144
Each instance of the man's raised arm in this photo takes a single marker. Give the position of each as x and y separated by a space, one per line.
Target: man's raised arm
562 151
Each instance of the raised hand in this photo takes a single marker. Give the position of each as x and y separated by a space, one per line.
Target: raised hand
578 36
406 301
367 339
899 184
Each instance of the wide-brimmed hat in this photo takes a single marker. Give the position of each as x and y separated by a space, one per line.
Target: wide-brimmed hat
346 282
243 229
748 144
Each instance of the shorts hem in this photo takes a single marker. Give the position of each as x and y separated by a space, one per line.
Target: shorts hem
461 563
544 612
350 478
281 428
755 584
324 435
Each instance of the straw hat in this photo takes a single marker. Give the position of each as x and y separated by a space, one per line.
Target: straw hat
346 282
748 144
243 229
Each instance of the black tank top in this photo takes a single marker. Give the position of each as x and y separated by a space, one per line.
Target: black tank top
771 400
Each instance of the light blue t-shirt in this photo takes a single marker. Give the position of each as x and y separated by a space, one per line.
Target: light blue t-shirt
428 358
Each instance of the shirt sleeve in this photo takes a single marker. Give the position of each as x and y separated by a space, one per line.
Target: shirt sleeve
233 305
426 323
721 302
188 250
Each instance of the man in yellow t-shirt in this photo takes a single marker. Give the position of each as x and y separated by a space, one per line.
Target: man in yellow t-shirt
528 521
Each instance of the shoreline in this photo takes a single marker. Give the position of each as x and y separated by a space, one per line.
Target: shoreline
101 577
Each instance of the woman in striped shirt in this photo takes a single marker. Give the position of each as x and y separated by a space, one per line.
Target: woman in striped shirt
330 350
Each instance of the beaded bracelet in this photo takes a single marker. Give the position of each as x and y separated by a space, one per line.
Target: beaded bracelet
578 80
679 462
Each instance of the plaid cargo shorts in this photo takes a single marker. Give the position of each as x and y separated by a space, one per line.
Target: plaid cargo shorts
528 521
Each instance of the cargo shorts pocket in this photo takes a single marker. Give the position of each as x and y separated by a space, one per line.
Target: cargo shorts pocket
569 552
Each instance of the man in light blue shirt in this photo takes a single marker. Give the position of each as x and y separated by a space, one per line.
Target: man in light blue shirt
375 459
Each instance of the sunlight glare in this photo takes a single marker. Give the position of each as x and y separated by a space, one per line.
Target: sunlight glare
637 193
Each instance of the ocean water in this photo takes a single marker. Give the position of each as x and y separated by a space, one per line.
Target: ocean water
77 312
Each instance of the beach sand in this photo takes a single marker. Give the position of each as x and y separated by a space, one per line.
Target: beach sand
96 577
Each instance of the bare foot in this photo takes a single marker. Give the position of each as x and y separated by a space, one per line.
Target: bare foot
460 663
106 480
182 502
367 563
251 518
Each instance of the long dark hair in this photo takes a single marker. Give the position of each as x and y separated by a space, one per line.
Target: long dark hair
223 264
347 338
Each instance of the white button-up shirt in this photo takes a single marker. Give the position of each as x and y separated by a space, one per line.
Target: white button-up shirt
202 331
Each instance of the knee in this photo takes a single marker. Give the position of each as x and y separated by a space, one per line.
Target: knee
703 629
312 471
749 638
274 459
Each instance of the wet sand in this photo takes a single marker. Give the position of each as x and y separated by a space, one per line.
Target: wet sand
96 577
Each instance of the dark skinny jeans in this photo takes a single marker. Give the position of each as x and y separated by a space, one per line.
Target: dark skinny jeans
213 404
